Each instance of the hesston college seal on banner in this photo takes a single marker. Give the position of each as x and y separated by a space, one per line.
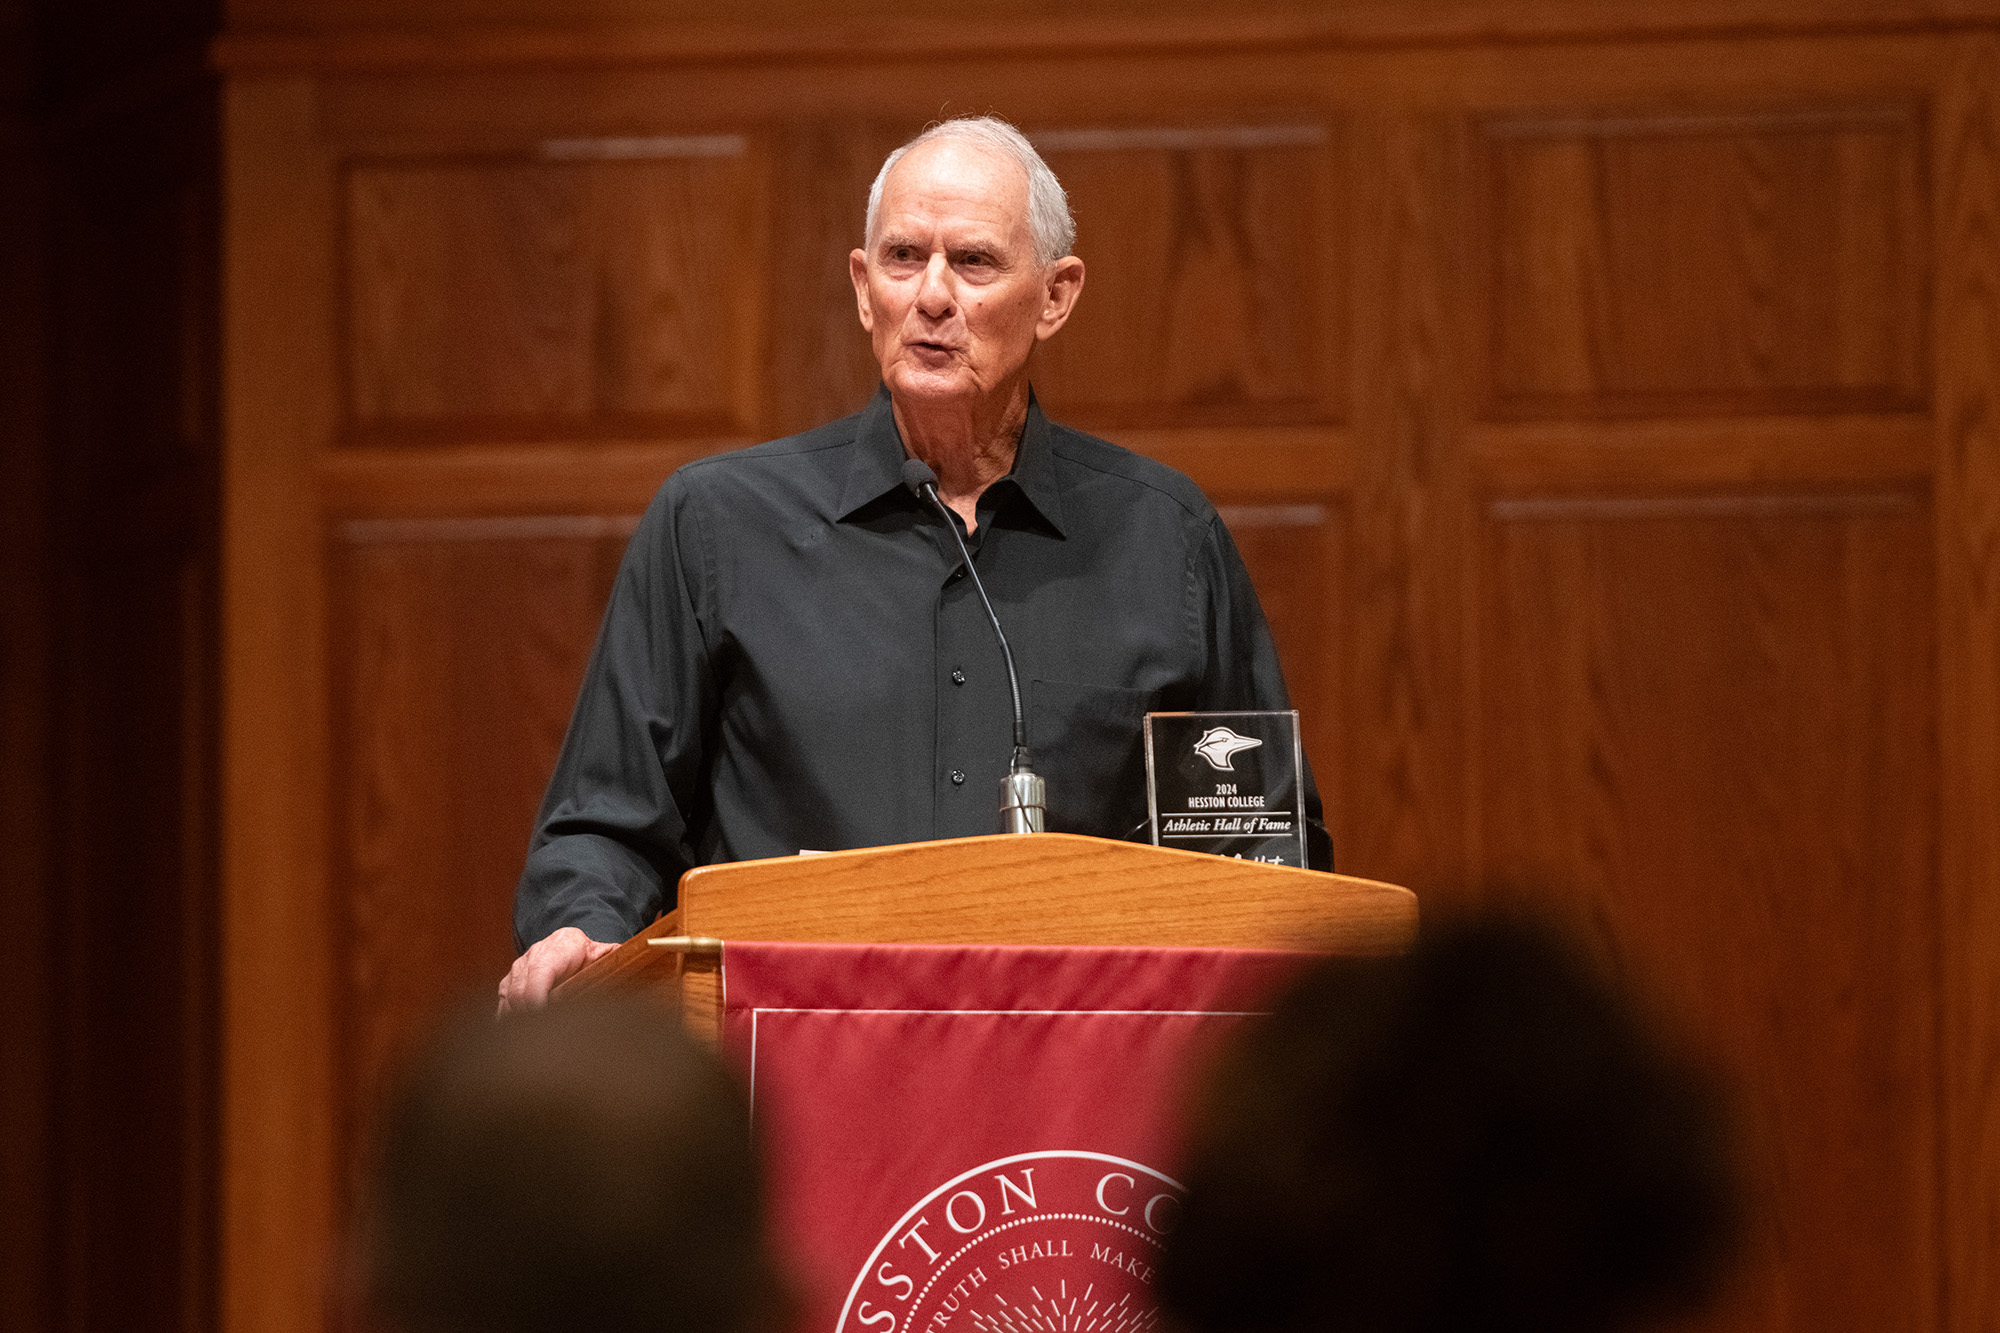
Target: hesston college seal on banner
1035 1243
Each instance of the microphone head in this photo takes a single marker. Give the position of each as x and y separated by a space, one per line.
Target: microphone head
917 475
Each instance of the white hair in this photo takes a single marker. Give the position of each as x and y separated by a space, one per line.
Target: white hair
1049 220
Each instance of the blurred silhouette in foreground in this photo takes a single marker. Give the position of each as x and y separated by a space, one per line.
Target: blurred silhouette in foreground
586 1166
1480 1134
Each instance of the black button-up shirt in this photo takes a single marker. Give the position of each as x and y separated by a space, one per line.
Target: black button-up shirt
793 657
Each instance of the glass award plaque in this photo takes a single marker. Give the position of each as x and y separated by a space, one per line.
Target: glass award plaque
1232 784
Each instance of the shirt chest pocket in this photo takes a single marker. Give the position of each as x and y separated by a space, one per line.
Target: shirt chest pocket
1087 743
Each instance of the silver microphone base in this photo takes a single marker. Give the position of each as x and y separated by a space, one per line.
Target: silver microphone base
1024 801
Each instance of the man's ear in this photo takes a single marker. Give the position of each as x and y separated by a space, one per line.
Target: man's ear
857 272
1064 284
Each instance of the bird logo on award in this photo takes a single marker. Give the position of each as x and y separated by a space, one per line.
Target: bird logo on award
1220 746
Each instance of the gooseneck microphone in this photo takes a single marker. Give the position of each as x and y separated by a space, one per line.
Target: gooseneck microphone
1024 797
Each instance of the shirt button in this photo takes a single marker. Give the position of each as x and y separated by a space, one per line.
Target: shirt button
958 677
957 778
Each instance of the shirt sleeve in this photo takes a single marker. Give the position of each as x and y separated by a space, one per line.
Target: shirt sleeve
624 808
1242 669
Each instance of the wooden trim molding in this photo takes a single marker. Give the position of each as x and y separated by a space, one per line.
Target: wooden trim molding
1836 450
1967 313
279 1174
559 478
1207 29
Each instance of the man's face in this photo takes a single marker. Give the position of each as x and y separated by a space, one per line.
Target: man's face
949 290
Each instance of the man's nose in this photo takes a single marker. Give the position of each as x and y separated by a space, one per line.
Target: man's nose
934 297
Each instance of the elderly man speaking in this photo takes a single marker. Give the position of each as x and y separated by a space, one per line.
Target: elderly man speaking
794 657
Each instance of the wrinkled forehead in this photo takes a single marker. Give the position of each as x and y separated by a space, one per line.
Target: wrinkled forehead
956 178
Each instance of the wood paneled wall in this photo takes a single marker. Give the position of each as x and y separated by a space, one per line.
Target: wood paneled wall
1602 398
134 708
109 645
26 1081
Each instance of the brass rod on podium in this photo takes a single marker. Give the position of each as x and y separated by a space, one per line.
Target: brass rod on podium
697 946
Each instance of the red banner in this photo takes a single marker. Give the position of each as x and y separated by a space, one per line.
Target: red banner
977 1140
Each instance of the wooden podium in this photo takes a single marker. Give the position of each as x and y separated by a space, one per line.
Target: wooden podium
1045 888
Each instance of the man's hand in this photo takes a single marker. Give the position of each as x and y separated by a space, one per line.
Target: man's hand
547 964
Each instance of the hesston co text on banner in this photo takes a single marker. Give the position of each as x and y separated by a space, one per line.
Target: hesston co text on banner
978 1139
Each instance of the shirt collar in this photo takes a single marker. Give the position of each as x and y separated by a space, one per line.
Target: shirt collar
877 468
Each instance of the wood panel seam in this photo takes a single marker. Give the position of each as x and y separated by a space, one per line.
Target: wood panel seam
250 49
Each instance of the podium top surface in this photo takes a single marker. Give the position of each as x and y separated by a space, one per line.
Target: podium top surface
1045 888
